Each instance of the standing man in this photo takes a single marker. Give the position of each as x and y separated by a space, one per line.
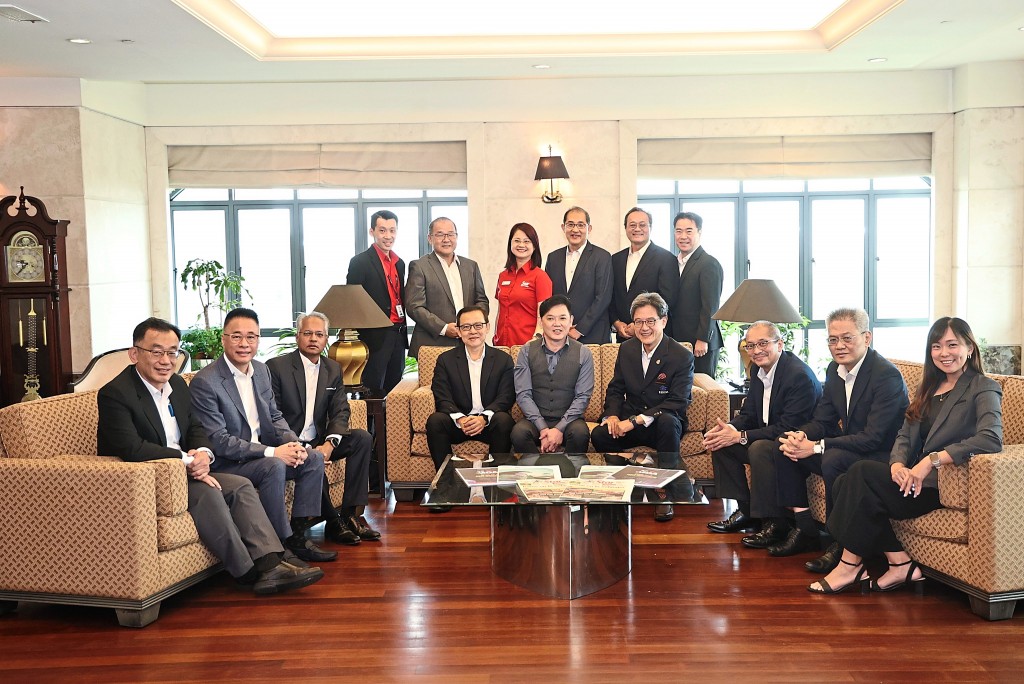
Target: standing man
583 272
440 284
234 402
782 396
473 391
649 392
554 378
382 274
860 411
698 295
641 267
310 392
145 413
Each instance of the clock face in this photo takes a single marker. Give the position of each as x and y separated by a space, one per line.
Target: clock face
25 259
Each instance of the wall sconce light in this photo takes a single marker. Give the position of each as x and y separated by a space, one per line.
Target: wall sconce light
549 168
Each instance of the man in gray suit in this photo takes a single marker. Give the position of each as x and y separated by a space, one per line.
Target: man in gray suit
583 272
440 284
234 402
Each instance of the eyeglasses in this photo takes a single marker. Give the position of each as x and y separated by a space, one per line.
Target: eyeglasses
573 226
238 338
445 236
474 327
641 226
522 242
760 344
318 334
641 322
845 339
158 354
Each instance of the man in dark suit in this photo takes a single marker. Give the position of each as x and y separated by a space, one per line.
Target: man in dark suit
234 402
440 284
858 416
583 272
145 414
641 267
473 392
310 392
698 295
649 392
782 396
382 274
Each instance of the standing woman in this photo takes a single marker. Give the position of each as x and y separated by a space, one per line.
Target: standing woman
956 413
522 286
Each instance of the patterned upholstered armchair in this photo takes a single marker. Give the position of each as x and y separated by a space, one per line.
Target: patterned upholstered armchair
411 402
82 529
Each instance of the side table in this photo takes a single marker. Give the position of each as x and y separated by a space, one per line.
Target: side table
377 423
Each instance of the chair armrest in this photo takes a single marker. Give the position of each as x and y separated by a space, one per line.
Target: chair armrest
357 414
717 401
398 417
996 515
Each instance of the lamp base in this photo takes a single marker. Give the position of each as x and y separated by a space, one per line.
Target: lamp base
551 198
351 354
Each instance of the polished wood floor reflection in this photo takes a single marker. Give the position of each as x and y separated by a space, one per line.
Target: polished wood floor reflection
423 606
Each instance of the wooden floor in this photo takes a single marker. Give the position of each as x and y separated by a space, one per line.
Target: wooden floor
423 606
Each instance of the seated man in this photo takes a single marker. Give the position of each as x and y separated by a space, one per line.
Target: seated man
781 397
860 411
554 378
234 401
649 392
473 391
145 414
310 392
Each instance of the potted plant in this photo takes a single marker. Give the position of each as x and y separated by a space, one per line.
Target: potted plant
217 288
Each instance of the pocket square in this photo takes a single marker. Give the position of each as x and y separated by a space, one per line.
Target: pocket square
662 377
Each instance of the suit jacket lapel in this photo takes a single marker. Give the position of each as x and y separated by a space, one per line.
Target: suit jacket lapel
485 375
692 262
228 382
581 265
945 406
299 375
149 407
654 368
438 271
860 385
466 275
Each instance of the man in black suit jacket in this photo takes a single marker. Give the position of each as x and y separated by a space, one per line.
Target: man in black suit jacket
783 392
382 274
472 403
698 295
649 392
641 267
589 278
145 414
310 393
858 416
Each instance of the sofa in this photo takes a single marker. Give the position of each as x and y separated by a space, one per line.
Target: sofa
411 402
975 543
84 529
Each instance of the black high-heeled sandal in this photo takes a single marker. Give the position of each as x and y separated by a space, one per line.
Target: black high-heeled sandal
918 583
860 579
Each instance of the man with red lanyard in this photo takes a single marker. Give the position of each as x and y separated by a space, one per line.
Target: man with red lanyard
382 274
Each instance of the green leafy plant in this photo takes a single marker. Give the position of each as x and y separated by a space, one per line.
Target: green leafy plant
733 332
202 343
216 286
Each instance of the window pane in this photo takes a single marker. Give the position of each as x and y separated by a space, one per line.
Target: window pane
328 193
661 223
837 251
265 194
328 243
459 214
908 183
447 193
773 244
202 195
264 255
708 187
907 343
817 352
197 235
407 242
718 237
773 186
831 185
903 275
392 193
653 186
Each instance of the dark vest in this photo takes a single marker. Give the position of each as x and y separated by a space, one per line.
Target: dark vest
554 392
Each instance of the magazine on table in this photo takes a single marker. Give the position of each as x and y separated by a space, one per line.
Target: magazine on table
508 474
596 472
541 490
650 478
479 477
578 489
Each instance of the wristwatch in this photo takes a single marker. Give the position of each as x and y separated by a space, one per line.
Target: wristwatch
743 437
635 420
934 458
334 440
819 446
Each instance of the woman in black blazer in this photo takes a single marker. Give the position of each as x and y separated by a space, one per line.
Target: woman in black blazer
956 413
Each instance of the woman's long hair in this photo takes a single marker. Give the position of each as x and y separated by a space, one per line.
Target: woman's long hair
531 233
933 376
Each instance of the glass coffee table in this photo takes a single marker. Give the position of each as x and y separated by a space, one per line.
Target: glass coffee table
560 548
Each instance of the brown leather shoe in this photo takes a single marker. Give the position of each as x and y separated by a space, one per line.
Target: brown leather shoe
285 577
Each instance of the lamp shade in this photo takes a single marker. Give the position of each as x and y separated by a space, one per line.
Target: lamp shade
758 300
549 168
348 306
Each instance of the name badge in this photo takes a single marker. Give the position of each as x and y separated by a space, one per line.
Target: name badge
506 282
400 310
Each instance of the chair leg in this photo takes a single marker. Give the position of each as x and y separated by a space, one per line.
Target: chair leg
992 610
404 494
137 618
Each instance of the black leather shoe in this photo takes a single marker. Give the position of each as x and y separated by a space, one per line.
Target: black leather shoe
358 525
770 534
664 512
440 509
338 532
737 522
308 551
828 561
794 543
284 577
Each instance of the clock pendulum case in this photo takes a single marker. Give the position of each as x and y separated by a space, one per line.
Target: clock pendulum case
34 314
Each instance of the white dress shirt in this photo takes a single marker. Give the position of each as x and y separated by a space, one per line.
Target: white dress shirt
572 260
475 374
243 381
850 377
162 399
312 372
682 261
766 379
454 277
633 260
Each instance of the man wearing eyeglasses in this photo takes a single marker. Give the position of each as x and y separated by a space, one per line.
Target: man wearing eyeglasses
649 392
473 392
440 284
782 395
310 392
145 414
860 411
234 401
641 267
554 377
583 272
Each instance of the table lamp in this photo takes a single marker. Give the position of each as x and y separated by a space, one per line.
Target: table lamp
348 307
756 300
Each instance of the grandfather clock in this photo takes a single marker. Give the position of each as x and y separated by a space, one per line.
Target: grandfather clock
34 317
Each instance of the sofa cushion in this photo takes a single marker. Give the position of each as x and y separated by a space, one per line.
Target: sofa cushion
1013 408
175 531
64 424
945 523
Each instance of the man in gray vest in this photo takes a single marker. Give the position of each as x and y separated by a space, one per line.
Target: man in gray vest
554 378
